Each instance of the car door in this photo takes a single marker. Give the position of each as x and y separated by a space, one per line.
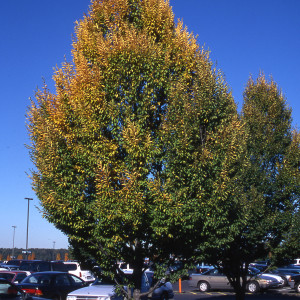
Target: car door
217 280
63 284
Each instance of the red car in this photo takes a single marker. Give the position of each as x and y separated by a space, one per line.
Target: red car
14 276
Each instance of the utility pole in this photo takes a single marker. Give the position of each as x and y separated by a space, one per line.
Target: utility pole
13 249
28 199
53 250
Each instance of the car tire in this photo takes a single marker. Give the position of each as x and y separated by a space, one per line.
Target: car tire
203 286
297 287
164 296
253 287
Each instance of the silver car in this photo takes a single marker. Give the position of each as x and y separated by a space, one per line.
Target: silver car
101 291
214 279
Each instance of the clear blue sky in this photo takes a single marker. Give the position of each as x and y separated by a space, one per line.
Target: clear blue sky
244 37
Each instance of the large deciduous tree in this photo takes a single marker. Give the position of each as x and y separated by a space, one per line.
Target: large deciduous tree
261 213
139 134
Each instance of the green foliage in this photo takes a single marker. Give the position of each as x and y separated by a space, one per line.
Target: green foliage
262 210
117 148
140 151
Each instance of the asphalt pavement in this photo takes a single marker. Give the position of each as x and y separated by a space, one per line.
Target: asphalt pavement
190 293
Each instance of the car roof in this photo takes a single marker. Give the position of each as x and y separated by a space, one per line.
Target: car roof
13 272
50 272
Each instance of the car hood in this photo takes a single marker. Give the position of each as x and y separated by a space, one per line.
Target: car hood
268 277
94 290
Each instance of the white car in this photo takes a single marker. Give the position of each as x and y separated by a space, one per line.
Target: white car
73 267
104 291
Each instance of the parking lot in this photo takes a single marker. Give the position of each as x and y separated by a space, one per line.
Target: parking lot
190 293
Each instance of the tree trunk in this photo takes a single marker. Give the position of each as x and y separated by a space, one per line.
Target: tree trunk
136 294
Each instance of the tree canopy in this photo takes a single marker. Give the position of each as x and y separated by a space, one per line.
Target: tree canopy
262 210
140 151
116 147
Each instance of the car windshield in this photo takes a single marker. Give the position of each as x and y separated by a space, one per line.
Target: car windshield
254 271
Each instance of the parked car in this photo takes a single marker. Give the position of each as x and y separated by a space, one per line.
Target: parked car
15 262
14 276
214 279
105 289
296 262
53 285
9 291
295 282
290 268
201 268
74 268
257 272
41 266
9 267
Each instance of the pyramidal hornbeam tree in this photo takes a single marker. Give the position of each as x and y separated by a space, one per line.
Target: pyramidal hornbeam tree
130 146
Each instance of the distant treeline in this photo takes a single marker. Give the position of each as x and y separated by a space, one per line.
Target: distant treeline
35 253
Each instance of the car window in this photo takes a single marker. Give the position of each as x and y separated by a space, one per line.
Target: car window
57 266
71 267
62 279
43 266
7 276
20 277
75 279
36 278
25 266
44 279
31 279
209 272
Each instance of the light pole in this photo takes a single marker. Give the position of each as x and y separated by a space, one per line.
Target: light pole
28 199
53 250
13 250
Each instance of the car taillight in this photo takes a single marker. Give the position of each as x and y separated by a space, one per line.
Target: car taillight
38 292
80 275
35 292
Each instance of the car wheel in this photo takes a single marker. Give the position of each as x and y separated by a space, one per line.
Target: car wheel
203 286
253 287
297 287
164 296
